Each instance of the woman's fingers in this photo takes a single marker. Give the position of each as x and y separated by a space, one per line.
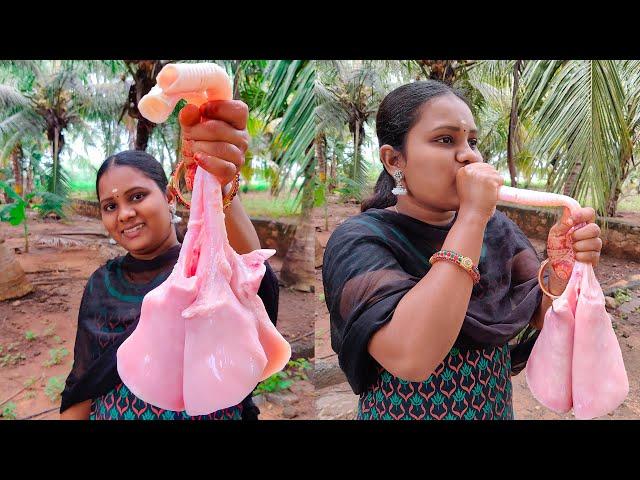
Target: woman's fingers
588 257
224 171
218 131
586 215
589 245
591 230
189 116
215 137
222 150
233 112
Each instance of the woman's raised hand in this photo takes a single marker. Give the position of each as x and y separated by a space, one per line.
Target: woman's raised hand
215 137
565 243
477 185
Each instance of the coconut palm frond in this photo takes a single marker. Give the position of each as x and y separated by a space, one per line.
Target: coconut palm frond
494 72
25 120
584 113
11 98
296 132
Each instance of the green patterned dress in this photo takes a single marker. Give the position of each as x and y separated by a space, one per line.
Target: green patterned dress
373 259
468 385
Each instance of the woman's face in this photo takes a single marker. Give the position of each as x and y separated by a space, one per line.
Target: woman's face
443 141
135 211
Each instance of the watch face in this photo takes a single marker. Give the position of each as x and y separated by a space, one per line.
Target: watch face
467 263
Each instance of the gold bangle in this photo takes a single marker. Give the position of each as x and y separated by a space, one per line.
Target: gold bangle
174 186
228 198
544 290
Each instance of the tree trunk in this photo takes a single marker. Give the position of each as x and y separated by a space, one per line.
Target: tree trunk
29 186
16 164
612 203
236 79
358 135
144 79
56 160
321 157
333 172
572 180
143 133
298 267
131 129
13 281
513 126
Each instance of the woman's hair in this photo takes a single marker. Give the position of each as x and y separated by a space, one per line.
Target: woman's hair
397 114
141 161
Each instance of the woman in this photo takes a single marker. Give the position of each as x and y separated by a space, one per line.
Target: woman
422 341
138 211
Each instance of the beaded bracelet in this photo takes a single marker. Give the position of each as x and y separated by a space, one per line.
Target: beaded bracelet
464 262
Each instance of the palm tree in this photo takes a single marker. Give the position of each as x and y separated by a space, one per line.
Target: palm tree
578 120
586 118
349 93
144 74
505 129
57 98
292 97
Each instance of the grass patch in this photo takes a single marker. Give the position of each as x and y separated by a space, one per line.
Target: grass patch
55 356
630 204
8 411
54 388
12 359
30 336
622 295
266 206
29 382
295 370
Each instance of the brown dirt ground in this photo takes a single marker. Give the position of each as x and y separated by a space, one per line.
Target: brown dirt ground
50 312
609 271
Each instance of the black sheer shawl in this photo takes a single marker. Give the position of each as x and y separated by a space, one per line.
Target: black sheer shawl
373 259
109 313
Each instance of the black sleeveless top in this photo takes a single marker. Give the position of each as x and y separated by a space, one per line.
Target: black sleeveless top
109 313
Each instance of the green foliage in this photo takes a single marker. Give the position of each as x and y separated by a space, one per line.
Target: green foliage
16 213
29 382
266 206
8 411
30 336
54 388
349 189
276 382
630 204
295 370
55 356
292 100
622 295
12 359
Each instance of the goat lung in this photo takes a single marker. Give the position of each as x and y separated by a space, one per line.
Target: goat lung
576 361
600 381
204 339
550 364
